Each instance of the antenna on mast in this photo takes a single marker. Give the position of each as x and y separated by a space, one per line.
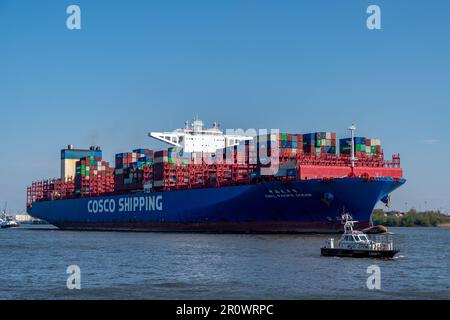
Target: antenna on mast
352 129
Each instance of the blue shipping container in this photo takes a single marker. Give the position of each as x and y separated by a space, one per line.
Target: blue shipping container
78 154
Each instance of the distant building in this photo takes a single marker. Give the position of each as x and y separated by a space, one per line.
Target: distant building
394 213
23 218
26 218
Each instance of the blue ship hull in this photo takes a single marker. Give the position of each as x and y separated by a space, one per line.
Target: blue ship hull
270 207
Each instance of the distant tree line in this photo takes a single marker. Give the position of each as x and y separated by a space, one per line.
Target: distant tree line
410 219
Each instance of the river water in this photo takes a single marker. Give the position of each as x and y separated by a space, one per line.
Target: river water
119 265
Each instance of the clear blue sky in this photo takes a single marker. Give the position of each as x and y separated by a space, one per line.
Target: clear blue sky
299 66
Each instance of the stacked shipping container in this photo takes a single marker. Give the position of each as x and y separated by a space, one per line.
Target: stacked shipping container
319 143
364 147
373 147
93 176
133 169
203 170
164 174
289 144
245 153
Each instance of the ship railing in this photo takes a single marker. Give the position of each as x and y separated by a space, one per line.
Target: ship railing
342 160
383 243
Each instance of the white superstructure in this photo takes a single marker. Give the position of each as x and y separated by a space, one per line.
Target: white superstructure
196 138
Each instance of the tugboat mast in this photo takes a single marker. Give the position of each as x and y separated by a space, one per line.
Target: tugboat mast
348 223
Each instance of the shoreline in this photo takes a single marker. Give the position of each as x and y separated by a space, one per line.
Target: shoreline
444 225
441 225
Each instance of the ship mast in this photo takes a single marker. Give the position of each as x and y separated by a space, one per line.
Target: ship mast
352 129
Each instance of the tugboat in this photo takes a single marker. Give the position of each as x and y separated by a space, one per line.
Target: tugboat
7 221
356 244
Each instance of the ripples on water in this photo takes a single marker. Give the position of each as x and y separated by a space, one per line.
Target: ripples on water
117 265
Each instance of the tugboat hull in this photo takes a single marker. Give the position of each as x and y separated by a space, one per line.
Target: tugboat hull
9 226
335 252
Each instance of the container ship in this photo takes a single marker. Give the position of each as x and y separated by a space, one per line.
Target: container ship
209 181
